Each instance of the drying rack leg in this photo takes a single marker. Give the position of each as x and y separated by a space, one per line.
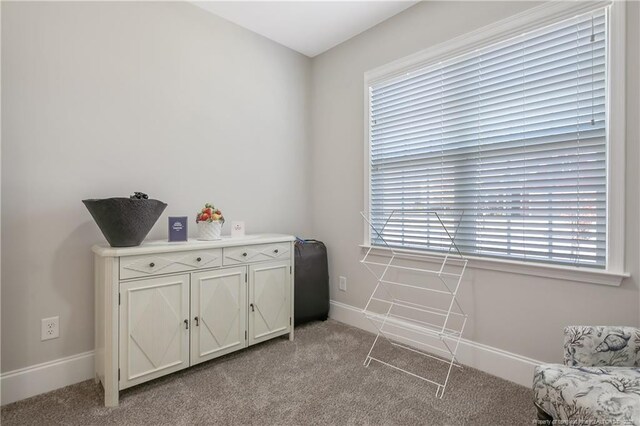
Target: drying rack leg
367 360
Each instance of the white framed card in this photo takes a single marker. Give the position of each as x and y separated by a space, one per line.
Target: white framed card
237 229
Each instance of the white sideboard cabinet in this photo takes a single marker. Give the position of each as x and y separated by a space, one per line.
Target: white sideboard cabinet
161 307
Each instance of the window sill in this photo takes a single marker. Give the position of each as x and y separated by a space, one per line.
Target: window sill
567 273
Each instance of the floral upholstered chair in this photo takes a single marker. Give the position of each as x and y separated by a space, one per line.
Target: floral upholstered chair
599 382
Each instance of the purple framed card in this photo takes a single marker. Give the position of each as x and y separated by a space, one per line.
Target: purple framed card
178 228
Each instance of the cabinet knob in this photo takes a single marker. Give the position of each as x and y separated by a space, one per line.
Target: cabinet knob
244 254
198 259
276 251
197 320
252 307
152 264
186 324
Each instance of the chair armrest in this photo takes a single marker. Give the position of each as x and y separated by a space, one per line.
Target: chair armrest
587 346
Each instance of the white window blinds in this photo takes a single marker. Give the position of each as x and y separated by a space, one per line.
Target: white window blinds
513 134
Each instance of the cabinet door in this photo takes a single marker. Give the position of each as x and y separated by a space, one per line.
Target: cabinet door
154 338
269 301
219 313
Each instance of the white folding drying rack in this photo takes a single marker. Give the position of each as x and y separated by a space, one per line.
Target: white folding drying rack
429 329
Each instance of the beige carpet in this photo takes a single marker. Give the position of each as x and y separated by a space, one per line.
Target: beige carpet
317 379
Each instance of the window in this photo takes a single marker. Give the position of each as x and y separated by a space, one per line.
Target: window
514 135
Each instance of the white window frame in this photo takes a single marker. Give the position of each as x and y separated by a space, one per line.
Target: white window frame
520 24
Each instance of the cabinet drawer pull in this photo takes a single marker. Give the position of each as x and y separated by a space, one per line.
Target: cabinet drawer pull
199 259
186 324
151 265
197 321
276 251
244 254
252 307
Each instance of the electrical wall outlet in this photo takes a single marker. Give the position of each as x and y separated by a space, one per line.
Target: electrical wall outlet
343 283
50 328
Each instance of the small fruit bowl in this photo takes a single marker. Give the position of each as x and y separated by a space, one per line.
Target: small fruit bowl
210 221
125 222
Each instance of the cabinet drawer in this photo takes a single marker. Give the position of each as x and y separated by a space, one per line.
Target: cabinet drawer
255 253
167 263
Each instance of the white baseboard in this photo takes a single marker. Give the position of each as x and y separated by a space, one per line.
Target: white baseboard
45 377
506 365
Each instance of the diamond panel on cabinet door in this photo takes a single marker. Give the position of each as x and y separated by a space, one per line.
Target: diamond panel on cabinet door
153 337
270 297
156 328
220 322
219 300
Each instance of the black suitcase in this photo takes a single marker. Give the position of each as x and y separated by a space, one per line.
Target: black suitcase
311 281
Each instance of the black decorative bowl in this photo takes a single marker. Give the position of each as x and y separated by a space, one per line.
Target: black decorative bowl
125 222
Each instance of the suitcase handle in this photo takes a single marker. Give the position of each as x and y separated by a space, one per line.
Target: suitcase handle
300 242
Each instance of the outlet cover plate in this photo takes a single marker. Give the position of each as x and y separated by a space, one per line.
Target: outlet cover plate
343 283
50 328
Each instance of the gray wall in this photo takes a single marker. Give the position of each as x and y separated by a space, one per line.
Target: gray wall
103 99
517 313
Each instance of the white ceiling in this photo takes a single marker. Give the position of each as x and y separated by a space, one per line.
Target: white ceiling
309 27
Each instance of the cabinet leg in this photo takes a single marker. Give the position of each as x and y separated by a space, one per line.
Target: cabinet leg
96 379
110 397
291 335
